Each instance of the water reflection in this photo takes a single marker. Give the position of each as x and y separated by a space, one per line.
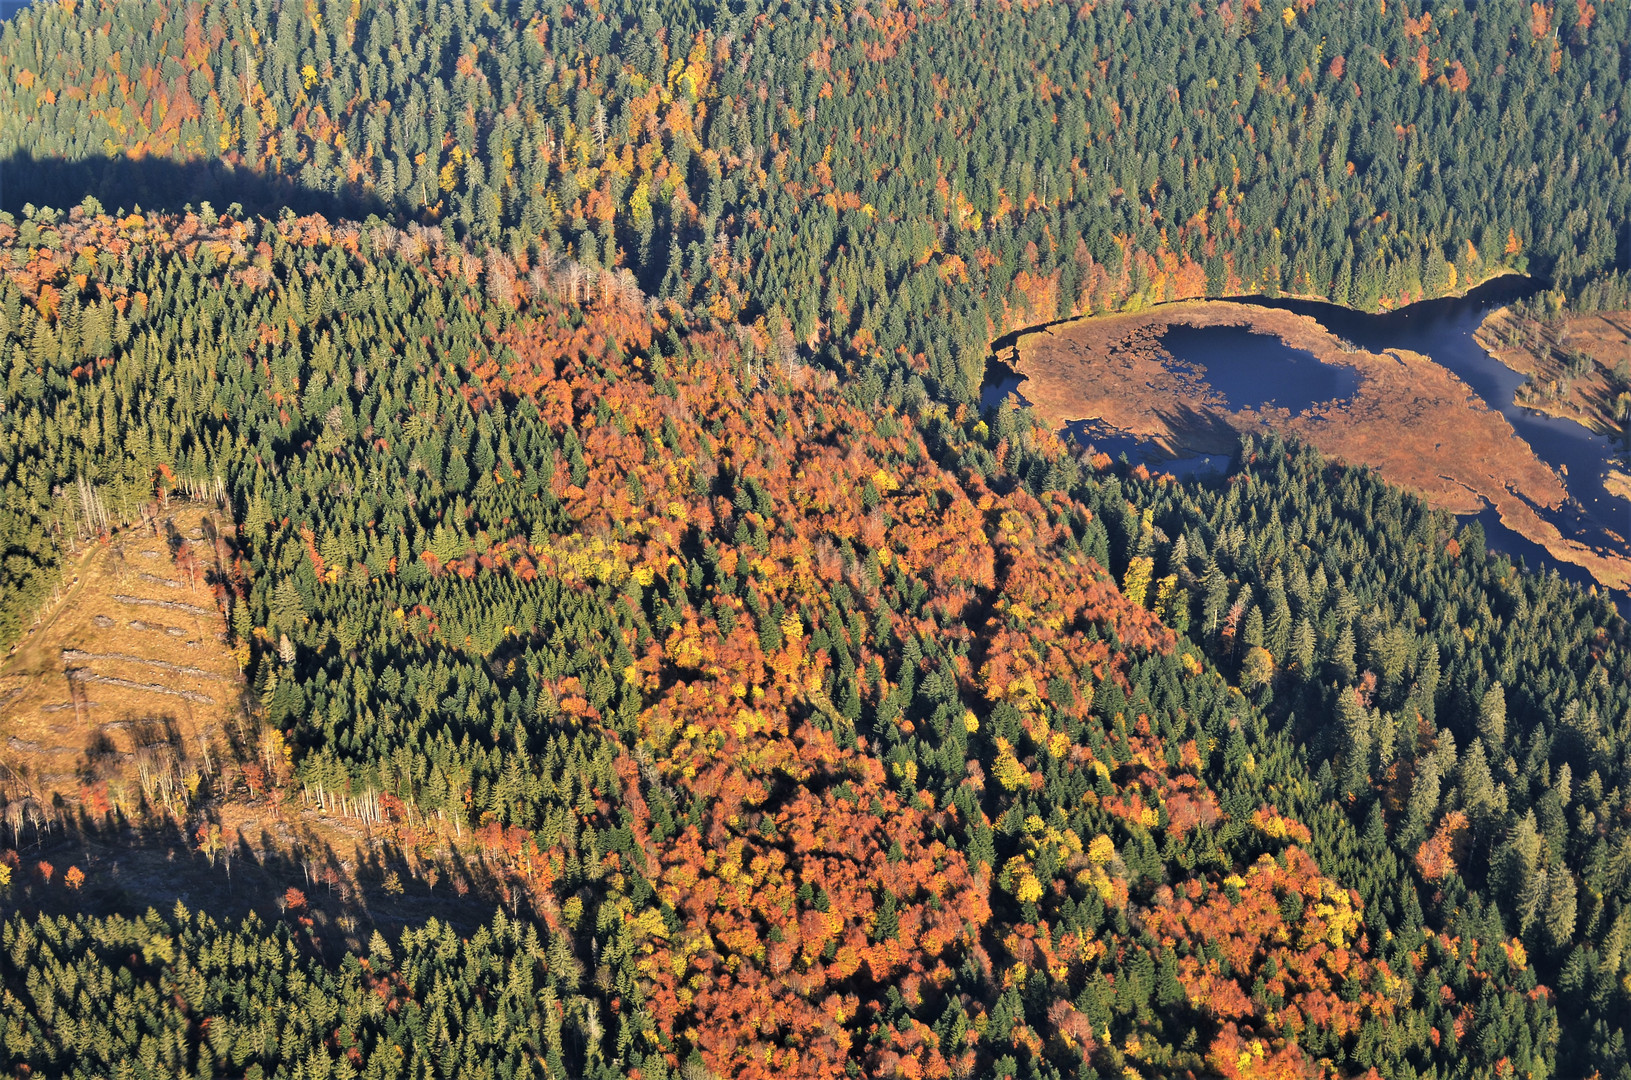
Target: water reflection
1258 371
1001 382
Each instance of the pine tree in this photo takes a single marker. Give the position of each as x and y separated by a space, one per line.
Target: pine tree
1342 656
1492 718
1478 794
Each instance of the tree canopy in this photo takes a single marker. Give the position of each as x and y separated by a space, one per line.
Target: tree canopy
607 510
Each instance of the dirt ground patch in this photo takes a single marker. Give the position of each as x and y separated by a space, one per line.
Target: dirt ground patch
1413 420
124 745
126 676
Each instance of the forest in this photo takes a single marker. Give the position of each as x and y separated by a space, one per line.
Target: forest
904 181
590 396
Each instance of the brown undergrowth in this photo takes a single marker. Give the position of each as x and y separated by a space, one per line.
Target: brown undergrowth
1418 424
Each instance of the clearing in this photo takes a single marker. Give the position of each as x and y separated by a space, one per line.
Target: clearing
124 737
125 679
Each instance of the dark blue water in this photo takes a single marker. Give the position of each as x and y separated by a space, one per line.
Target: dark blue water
8 8
1257 371
1001 382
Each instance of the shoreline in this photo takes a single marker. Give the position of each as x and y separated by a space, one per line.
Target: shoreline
1457 293
1413 420
1525 361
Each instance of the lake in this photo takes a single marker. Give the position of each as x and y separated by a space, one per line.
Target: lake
1252 371
1258 371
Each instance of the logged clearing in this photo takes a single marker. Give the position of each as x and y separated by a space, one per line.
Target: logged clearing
1578 365
1413 420
126 678
122 709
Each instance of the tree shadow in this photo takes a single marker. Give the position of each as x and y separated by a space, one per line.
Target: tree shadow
153 183
1200 431
334 890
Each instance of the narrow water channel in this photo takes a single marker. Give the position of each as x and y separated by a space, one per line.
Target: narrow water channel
1441 329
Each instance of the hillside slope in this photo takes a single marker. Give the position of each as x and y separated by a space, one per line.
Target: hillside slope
805 727
914 180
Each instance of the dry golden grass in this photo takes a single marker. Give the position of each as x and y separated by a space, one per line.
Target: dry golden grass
1412 419
126 678
124 695
1536 350
1618 483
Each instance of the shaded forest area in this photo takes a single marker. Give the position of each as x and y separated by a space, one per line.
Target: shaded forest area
808 727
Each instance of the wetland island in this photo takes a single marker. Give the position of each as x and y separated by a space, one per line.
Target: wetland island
1189 378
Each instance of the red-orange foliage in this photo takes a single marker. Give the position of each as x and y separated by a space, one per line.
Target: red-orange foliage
1435 858
94 799
1540 20
783 982
1303 962
1421 64
1240 1058
759 980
